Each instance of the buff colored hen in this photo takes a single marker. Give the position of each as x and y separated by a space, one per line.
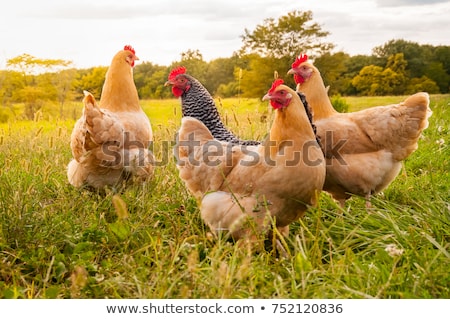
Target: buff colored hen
110 141
239 187
363 149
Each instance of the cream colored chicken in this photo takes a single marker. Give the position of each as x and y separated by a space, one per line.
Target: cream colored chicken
364 149
240 187
110 141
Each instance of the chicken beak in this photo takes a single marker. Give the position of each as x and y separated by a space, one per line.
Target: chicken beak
168 83
266 97
291 71
136 58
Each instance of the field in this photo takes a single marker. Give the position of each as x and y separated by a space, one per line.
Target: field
148 241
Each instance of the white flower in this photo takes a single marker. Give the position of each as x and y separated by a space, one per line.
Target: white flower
440 142
393 251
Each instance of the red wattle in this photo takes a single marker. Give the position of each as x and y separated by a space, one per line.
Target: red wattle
177 91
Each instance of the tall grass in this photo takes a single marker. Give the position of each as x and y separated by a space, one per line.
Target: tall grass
148 240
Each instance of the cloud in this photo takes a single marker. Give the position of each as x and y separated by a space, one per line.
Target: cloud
199 9
401 3
94 12
87 32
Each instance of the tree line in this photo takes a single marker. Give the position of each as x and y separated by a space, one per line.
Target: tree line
395 68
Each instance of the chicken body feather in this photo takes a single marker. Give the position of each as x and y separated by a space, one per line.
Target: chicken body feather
110 141
238 186
198 103
363 149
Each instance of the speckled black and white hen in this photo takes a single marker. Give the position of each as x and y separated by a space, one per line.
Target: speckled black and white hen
196 102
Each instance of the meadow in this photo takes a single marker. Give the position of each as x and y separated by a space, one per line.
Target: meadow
148 240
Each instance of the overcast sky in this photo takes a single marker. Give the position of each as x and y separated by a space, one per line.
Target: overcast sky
89 33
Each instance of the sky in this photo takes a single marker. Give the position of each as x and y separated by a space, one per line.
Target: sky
89 33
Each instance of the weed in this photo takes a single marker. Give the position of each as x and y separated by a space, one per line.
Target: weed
148 240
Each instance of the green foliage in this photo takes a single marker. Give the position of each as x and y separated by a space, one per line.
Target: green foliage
423 84
369 80
62 82
90 80
374 80
435 71
416 55
220 72
442 54
150 79
228 90
257 77
10 83
148 241
333 68
339 104
195 65
37 84
397 64
285 36
28 64
393 79
432 61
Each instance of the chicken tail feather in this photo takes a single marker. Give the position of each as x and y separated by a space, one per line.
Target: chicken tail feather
419 104
102 126
417 111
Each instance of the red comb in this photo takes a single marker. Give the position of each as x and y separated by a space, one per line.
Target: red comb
129 48
299 60
176 71
275 84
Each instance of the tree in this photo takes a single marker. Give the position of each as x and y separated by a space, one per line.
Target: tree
273 45
436 72
416 55
33 94
422 84
153 87
332 69
355 63
149 79
228 90
257 78
442 54
10 81
397 78
64 83
391 83
283 38
90 80
28 64
220 71
376 80
369 80
193 61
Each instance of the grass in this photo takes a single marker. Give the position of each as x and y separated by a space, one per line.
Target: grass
148 241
